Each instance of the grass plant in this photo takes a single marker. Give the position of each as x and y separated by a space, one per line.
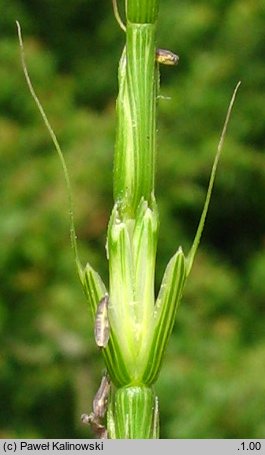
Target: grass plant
138 324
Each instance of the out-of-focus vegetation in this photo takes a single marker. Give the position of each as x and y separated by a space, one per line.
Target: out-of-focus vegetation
212 383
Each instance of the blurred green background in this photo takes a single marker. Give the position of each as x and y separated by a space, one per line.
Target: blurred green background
212 382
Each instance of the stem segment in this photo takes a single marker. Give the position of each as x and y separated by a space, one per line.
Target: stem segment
136 110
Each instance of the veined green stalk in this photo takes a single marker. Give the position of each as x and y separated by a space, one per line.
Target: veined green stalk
136 111
140 325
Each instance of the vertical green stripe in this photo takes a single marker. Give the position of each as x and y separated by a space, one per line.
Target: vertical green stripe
166 307
142 11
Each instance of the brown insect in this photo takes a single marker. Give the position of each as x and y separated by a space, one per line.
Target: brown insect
99 409
101 398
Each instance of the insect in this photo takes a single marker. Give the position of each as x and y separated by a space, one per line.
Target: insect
101 398
99 409
166 57
102 326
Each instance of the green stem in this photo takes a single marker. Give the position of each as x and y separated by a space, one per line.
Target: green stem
134 159
142 11
133 414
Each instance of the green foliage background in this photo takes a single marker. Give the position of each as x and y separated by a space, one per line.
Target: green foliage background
212 383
